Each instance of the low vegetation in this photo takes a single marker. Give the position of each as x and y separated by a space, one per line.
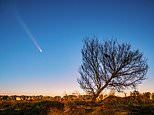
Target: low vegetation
111 105
29 107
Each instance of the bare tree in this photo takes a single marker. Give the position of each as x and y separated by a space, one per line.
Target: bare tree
110 64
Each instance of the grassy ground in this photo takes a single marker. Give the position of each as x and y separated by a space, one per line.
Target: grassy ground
109 106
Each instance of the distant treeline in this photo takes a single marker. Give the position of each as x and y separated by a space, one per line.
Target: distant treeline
73 97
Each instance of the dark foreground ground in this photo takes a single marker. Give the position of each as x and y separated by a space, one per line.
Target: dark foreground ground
109 106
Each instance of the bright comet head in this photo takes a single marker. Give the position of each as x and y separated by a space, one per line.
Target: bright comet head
40 50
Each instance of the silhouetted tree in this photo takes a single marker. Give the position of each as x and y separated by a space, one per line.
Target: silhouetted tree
153 96
110 64
135 93
147 95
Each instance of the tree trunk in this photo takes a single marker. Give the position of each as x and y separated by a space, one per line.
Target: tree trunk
94 99
100 90
95 96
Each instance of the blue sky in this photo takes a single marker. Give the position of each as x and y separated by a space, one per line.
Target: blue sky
59 27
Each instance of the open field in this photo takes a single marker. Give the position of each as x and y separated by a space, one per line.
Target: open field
109 106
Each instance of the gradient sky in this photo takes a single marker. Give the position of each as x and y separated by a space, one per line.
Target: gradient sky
59 28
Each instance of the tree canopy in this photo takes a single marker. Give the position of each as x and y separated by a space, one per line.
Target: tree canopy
110 64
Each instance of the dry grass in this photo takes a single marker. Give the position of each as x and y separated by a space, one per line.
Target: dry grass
109 106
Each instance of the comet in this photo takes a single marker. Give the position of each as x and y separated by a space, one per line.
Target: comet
29 33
